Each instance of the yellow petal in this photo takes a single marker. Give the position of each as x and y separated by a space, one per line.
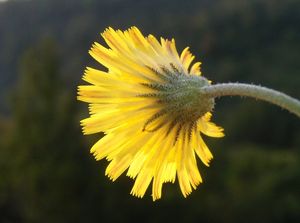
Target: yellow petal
209 128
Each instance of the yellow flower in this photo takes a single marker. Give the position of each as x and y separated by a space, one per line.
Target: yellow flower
150 108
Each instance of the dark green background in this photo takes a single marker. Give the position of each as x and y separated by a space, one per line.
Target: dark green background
46 171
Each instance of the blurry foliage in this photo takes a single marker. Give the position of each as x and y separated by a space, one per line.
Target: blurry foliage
46 171
40 155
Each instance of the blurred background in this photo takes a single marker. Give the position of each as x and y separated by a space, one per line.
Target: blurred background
46 171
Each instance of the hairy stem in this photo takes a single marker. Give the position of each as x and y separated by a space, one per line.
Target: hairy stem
258 92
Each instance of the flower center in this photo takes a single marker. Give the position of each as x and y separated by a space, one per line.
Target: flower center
184 98
181 98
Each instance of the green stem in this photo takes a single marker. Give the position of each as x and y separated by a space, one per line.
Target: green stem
258 92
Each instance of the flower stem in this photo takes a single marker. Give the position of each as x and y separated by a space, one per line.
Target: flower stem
258 92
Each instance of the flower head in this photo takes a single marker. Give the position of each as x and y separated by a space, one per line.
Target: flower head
150 107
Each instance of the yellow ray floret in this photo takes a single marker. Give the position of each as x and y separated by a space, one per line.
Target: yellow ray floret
151 127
